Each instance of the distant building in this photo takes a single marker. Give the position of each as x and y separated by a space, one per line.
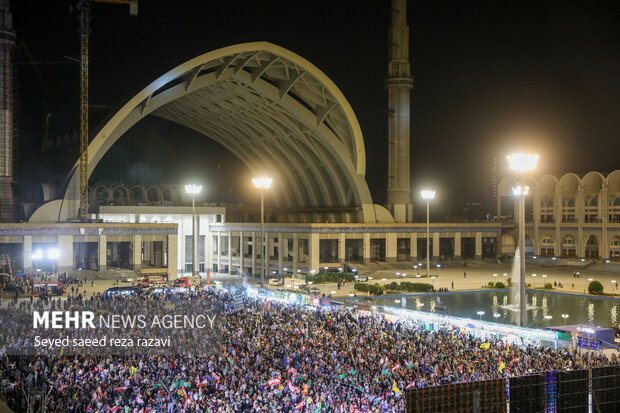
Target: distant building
570 217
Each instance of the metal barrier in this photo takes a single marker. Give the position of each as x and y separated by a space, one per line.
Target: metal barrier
591 390
478 396
606 389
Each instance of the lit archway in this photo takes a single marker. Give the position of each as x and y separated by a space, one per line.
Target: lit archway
273 109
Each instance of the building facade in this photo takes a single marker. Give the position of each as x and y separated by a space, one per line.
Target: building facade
570 217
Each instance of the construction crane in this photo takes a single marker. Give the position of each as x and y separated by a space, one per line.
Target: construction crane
84 7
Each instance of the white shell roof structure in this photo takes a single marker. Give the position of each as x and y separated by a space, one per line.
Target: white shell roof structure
273 109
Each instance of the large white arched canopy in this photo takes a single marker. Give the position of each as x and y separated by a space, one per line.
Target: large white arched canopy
273 109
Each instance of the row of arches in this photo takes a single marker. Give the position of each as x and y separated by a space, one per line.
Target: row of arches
570 199
135 195
568 245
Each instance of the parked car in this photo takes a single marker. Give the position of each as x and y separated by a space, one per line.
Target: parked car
361 278
126 279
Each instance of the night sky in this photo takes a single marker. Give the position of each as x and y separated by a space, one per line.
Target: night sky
489 77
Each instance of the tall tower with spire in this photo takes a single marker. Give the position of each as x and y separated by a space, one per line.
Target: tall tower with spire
7 42
399 84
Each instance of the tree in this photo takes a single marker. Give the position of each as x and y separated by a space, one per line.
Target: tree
595 287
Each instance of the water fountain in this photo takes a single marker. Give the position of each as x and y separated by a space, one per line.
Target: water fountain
514 287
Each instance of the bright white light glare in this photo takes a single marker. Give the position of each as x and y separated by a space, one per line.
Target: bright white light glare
548 317
522 161
193 189
262 182
480 313
38 254
497 315
53 253
518 190
564 315
427 194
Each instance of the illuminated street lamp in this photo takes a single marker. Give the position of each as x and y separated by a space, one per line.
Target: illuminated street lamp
428 195
497 315
53 255
548 317
480 314
262 184
564 316
615 284
522 163
194 190
534 275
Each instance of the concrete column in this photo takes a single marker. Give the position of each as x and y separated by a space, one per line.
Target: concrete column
313 245
27 251
435 254
295 252
413 246
390 248
366 248
219 251
581 243
457 245
280 253
65 248
208 246
558 221
173 262
137 252
103 253
342 248
230 264
478 245
254 245
241 253
147 251
285 252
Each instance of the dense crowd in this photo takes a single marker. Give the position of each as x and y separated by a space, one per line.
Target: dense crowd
270 357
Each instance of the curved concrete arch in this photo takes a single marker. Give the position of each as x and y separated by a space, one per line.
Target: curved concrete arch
309 119
569 183
613 181
547 185
593 182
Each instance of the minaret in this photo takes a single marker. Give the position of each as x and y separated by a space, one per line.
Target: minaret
399 84
7 42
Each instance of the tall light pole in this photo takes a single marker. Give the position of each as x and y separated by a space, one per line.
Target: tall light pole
262 184
522 162
428 195
193 190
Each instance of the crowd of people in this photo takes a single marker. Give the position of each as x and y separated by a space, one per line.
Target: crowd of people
269 357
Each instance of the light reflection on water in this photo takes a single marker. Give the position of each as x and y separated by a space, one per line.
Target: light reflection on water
581 310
